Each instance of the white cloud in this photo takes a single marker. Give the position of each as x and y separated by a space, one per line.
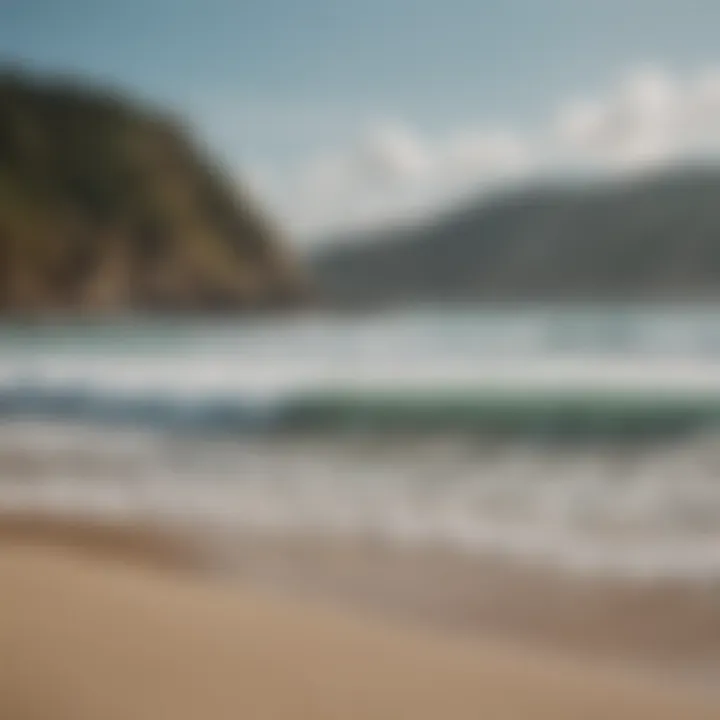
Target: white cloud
652 118
636 126
478 156
706 88
581 123
394 172
393 151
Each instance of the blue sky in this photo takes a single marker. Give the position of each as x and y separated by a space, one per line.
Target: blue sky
277 85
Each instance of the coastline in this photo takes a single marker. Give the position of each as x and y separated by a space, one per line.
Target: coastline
114 621
659 626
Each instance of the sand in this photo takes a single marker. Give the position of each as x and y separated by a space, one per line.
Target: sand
655 624
90 630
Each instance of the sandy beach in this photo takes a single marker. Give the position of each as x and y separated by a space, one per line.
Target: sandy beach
100 624
661 625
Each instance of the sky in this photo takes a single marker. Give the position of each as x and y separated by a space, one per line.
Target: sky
341 114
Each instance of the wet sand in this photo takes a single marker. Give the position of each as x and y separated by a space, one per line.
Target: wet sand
670 626
96 625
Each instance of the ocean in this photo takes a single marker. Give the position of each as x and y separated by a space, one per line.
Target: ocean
578 438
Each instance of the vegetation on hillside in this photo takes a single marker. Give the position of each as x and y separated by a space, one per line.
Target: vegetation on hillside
649 239
109 206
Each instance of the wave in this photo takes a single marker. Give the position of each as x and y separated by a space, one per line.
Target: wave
294 428
539 414
593 374
650 511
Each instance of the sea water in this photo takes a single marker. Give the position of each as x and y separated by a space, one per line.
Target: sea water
584 438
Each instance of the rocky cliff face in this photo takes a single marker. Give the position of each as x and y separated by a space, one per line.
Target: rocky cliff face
109 206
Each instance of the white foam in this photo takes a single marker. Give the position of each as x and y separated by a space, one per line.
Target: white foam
654 513
662 352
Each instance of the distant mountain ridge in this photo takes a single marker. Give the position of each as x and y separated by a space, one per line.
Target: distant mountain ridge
110 206
655 238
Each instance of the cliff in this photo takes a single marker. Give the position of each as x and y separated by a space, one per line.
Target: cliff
109 206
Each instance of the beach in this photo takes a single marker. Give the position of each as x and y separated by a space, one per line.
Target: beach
358 363
195 524
659 625
102 623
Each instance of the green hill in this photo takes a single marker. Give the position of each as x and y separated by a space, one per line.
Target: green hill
109 206
650 239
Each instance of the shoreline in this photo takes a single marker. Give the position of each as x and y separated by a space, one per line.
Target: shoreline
666 627
90 629
670 627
